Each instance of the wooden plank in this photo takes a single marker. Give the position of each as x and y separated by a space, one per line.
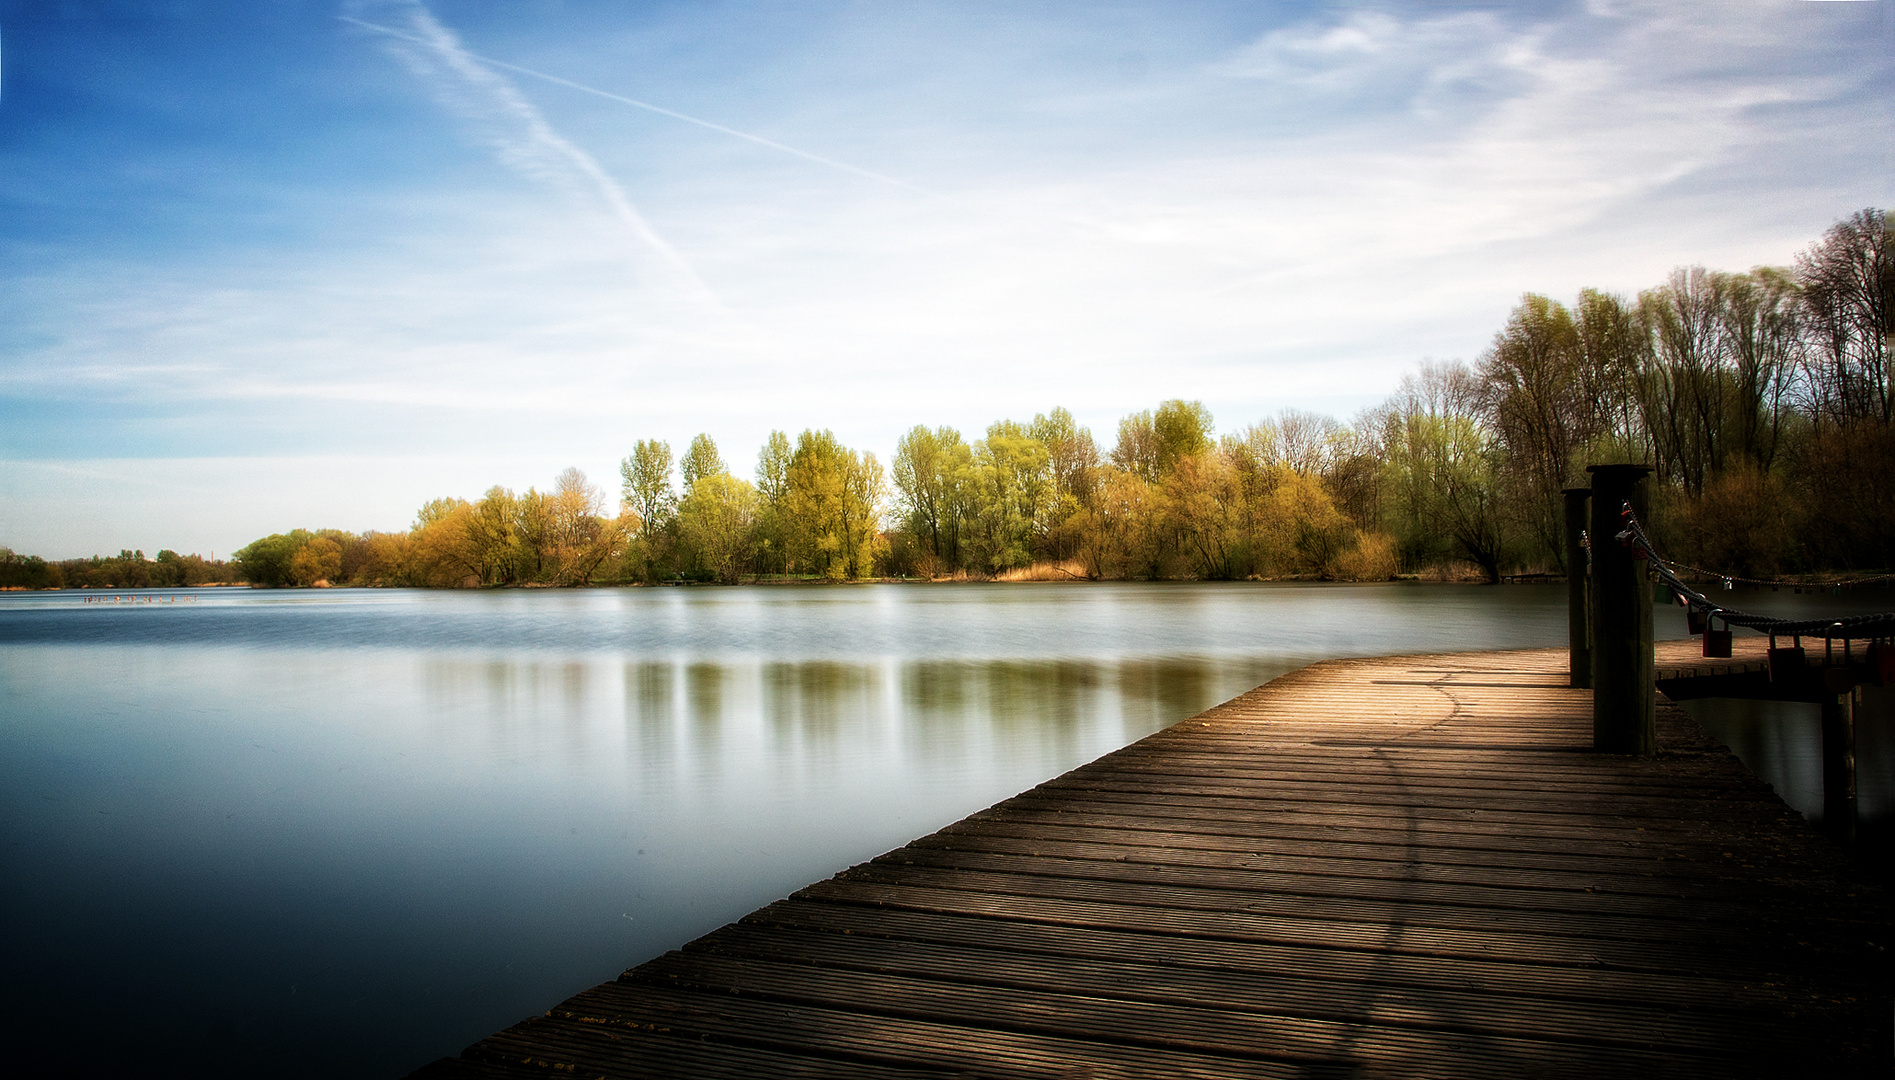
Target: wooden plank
1458 1008
1374 967
1150 841
1256 867
850 1032
562 1046
1130 824
1136 1026
1429 923
1401 866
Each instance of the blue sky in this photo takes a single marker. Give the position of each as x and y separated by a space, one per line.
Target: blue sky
272 265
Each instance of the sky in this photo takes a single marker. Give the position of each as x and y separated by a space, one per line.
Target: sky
271 265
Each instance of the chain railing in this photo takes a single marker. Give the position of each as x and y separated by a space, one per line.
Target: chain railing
1847 628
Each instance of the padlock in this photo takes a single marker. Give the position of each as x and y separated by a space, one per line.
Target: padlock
1882 662
1787 663
1717 643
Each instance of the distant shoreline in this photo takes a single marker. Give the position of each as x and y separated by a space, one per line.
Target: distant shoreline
1819 582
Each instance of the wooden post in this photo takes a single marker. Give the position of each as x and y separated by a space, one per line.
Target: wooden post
1624 697
1578 611
1839 764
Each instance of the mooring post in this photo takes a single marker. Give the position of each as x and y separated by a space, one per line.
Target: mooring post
1624 696
1839 764
1578 613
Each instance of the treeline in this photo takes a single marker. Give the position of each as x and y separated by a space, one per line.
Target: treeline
555 537
1764 400
126 570
816 510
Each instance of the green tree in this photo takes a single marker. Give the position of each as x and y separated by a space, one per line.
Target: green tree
717 524
1152 443
1444 471
773 485
1183 430
1013 497
1072 455
647 485
931 469
832 508
1613 345
647 496
28 571
266 562
1206 503
1137 449
1074 461
1119 533
699 461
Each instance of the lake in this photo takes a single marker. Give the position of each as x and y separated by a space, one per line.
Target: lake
346 832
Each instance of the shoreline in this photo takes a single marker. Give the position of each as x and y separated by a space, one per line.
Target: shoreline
1822 585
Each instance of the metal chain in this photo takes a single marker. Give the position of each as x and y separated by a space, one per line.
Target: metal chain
1877 625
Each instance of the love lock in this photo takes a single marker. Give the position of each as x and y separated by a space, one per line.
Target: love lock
1717 643
1881 663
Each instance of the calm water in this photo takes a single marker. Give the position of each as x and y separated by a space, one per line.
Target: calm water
1782 742
320 833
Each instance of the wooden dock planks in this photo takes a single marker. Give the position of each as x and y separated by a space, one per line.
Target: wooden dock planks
1408 866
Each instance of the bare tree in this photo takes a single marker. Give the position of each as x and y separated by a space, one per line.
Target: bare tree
1848 288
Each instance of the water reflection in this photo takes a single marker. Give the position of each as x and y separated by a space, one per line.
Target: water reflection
698 720
1782 742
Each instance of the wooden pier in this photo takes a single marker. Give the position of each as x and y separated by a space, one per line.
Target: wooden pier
1397 867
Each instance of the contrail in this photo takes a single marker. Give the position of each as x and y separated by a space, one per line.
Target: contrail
538 149
866 174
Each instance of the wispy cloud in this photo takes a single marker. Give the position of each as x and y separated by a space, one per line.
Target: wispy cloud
856 170
504 119
1443 133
